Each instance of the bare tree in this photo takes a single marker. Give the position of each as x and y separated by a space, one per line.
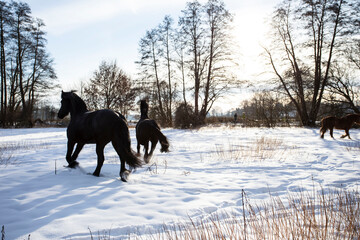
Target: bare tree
21 26
180 61
352 53
41 75
306 36
191 25
343 89
218 78
149 63
156 63
166 37
110 88
26 67
206 29
5 22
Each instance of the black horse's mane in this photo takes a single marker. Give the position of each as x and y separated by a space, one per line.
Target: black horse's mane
78 103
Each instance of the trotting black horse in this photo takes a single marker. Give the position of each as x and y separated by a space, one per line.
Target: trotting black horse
148 130
99 127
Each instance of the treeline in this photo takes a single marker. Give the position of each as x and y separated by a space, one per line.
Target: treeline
313 55
271 109
26 67
186 66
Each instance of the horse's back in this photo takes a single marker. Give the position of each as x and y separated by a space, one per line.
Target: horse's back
339 123
108 121
97 126
328 122
145 130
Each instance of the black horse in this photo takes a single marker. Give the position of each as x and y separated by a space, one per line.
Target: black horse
99 127
148 130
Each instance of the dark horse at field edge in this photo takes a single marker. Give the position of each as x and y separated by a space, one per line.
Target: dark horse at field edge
97 127
344 123
148 130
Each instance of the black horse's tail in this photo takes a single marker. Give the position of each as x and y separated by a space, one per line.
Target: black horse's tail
163 140
126 152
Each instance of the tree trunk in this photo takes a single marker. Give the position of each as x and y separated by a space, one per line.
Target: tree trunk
3 76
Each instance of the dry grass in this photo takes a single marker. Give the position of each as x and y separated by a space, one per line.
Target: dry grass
8 150
6 155
353 146
260 149
319 214
331 215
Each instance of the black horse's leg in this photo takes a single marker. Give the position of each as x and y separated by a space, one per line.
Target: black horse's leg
78 149
346 134
331 132
153 145
100 159
70 148
146 155
323 131
124 173
138 148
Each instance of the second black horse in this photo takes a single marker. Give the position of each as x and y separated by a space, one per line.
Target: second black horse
148 130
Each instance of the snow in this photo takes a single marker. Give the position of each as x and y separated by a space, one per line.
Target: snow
205 172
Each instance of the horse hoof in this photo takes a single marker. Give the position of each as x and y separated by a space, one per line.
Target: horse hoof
147 159
73 164
125 175
123 179
96 174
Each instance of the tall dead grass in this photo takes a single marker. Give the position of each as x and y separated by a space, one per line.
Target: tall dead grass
329 215
260 149
353 147
9 149
321 215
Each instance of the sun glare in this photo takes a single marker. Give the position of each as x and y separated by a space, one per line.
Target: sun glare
250 33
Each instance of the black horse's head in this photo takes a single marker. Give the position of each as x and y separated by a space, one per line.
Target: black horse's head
65 105
70 102
144 108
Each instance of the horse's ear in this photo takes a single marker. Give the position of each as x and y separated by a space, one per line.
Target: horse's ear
73 93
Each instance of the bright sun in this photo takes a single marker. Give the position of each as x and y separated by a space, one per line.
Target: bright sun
250 32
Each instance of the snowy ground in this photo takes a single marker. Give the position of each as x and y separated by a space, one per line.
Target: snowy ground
205 172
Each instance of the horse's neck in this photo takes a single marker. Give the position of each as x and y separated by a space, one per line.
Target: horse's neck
78 107
144 116
74 113
144 113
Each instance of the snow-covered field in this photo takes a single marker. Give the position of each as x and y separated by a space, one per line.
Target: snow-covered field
204 173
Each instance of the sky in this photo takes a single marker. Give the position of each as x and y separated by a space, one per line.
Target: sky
83 33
